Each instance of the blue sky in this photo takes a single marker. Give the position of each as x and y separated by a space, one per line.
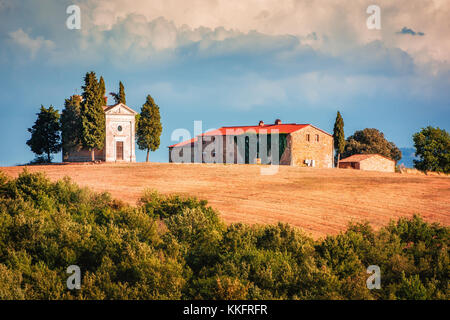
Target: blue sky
230 63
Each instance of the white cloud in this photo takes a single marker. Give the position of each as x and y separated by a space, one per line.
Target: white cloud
263 51
22 39
341 22
332 27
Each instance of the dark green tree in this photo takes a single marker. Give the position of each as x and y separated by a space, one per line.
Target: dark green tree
71 127
45 133
102 87
338 137
369 141
119 97
122 93
92 115
149 126
433 149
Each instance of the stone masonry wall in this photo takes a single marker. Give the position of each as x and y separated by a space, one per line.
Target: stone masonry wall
377 163
84 155
301 149
349 165
297 149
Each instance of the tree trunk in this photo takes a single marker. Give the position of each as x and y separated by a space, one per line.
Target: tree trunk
93 155
48 157
339 158
148 152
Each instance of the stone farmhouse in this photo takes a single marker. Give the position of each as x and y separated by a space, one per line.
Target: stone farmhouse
368 162
298 145
119 138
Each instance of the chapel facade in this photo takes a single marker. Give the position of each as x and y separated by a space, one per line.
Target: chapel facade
120 132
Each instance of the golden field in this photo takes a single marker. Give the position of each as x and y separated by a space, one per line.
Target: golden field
319 201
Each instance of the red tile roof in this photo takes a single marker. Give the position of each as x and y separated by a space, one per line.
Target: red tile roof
184 143
361 157
237 130
266 128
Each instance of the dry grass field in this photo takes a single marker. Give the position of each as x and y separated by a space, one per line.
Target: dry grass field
320 201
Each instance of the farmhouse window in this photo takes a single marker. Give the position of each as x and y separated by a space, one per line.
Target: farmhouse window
317 137
307 137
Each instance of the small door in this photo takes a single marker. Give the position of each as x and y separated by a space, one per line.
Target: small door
119 150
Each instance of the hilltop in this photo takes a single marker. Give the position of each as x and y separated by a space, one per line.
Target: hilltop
320 201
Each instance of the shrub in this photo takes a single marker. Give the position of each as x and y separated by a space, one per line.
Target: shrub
173 247
159 206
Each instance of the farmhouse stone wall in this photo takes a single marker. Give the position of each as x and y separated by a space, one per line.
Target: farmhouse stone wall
297 150
349 165
370 163
378 163
230 152
186 154
301 149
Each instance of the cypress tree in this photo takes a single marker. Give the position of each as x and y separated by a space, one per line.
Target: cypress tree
339 137
149 126
102 87
71 127
120 96
122 93
45 133
92 115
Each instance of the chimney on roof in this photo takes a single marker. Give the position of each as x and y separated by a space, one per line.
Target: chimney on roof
278 121
261 123
106 100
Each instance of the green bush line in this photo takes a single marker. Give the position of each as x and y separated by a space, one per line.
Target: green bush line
173 247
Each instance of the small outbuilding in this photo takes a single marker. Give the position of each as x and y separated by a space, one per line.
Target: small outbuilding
368 162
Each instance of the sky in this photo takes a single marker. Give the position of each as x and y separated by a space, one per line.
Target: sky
230 62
